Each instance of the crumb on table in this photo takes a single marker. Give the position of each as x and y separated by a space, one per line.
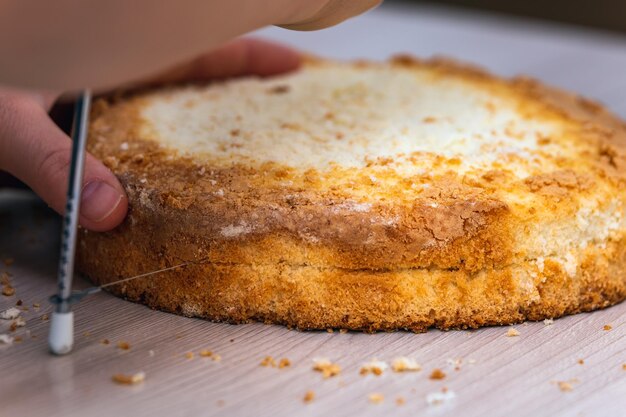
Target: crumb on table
326 367
123 345
567 386
268 362
376 398
512 332
9 314
129 379
374 367
6 339
437 374
404 364
308 396
8 290
440 397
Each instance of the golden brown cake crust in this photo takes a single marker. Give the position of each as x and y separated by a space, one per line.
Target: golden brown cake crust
273 243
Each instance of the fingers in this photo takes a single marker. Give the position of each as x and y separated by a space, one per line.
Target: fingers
36 151
333 13
247 56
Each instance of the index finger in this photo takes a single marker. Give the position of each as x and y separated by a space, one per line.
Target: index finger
247 56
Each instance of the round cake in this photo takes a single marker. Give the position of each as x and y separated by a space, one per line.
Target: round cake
368 196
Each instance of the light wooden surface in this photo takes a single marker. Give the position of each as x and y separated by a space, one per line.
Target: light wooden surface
499 375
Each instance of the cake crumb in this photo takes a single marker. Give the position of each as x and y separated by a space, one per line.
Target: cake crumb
455 363
565 386
8 290
374 366
326 367
284 363
581 361
10 314
343 331
548 322
18 322
205 353
189 355
87 333
104 342
440 397
400 401
607 327
216 357
5 339
404 364
437 374
129 379
308 397
376 398
123 345
624 367
512 332
44 317
268 362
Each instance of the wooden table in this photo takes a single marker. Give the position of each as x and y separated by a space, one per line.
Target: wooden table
498 375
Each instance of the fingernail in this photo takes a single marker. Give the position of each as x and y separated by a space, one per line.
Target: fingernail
99 200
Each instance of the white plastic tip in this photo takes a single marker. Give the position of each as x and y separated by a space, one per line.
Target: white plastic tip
61 337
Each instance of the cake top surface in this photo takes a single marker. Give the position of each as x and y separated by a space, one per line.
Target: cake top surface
376 154
349 115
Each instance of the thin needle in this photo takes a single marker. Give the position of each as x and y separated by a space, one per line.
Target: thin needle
143 275
78 295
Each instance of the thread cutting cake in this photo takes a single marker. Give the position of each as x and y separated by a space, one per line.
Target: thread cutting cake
371 196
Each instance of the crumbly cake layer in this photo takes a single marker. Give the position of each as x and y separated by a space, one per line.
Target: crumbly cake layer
373 196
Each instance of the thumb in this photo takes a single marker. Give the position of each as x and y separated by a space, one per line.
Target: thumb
333 13
36 151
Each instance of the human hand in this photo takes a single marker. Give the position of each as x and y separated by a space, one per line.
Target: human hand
35 150
68 45
331 13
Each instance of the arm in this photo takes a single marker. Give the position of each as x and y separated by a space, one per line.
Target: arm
71 44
